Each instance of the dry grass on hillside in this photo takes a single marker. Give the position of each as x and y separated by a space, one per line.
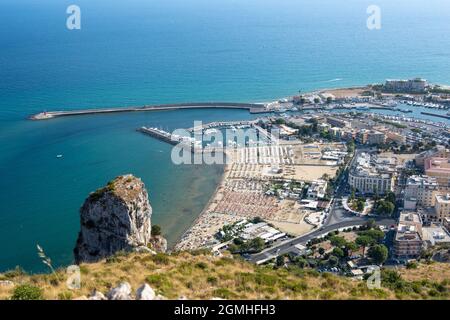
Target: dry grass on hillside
201 276
432 272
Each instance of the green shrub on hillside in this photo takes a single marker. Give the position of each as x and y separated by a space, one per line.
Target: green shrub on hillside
27 292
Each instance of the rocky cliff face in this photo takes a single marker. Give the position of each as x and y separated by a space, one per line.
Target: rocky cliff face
158 243
114 218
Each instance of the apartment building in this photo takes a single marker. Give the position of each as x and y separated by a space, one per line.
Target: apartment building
408 238
335 122
442 207
368 176
438 168
420 191
376 137
410 86
436 152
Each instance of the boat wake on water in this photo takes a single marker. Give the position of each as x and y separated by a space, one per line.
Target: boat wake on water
334 80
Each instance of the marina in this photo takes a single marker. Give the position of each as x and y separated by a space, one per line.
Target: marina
222 125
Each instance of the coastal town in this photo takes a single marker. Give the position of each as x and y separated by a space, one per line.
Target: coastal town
355 173
225 159
372 159
336 184
340 180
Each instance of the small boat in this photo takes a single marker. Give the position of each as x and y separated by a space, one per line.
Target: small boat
211 131
59 156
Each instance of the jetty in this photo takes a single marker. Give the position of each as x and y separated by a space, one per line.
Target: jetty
187 143
222 125
436 115
251 107
159 134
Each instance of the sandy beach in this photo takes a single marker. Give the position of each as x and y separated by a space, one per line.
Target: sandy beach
241 191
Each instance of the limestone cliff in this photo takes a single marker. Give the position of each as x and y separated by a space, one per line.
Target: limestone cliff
158 243
114 218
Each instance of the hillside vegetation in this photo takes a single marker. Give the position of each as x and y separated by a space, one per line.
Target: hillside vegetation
199 275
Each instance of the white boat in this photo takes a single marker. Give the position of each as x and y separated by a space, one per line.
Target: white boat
391 104
59 156
210 131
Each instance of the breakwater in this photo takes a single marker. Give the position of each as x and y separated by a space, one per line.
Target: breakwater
251 107
187 143
435 115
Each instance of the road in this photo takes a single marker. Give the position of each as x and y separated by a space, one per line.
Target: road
288 246
337 218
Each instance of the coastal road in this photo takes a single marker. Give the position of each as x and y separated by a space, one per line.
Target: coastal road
289 245
337 213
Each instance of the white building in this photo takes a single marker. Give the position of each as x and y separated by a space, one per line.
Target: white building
368 176
413 86
420 191
261 230
442 207
408 238
435 235
317 190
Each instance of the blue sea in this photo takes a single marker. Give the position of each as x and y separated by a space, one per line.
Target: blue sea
138 52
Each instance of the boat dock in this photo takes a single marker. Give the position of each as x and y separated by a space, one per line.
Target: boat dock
158 134
222 125
251 107
185 142
235 125
436 115
268 135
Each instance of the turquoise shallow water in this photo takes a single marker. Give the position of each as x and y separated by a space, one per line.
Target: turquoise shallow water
148 52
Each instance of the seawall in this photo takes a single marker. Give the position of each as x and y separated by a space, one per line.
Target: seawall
252 107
